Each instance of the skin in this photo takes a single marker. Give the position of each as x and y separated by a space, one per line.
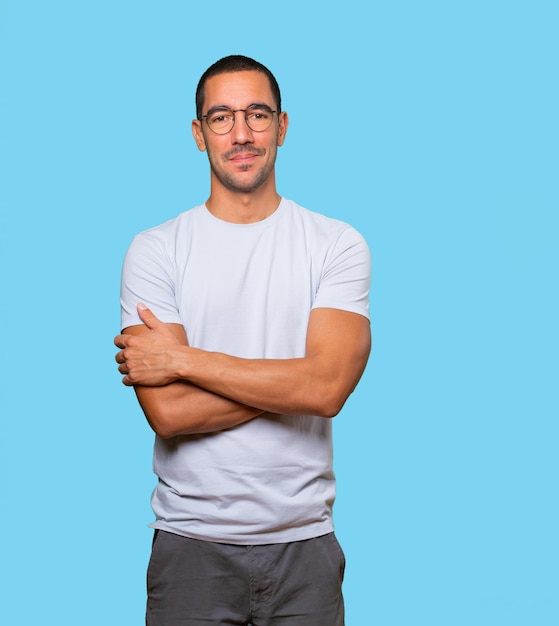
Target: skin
242 175
185 390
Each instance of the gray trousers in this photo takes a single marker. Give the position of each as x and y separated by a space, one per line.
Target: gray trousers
201 583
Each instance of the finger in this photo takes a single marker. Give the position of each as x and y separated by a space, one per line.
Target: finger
119 341
147 317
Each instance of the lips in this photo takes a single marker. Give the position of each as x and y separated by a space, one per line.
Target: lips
243 157
241 153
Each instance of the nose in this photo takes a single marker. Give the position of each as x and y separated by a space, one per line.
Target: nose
241 133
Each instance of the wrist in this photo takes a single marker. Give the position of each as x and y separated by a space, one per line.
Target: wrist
181 362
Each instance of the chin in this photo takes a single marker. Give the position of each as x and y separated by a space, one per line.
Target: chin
236 183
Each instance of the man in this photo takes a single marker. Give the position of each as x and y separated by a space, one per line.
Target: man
245 329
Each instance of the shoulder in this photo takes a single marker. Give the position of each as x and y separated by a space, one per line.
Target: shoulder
162 239
321 226
170 228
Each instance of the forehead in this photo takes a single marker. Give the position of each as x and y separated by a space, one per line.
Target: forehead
237 90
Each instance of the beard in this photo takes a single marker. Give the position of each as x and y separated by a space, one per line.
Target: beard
237 181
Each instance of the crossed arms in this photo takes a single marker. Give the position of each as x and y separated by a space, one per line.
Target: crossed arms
184 390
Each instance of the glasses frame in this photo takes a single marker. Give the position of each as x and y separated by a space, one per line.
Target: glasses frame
246 111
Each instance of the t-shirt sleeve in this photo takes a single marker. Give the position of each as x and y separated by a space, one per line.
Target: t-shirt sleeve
148 277
346 278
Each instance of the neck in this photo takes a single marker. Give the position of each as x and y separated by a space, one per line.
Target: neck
240 207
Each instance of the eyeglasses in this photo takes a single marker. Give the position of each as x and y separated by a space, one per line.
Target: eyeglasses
222 119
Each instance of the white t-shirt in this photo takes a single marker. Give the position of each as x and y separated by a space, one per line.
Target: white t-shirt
247 290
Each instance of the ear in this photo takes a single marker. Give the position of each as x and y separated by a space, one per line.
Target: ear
198 135
283 123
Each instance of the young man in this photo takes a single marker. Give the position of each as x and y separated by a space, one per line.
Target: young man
245 329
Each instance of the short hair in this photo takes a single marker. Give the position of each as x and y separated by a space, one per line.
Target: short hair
235 63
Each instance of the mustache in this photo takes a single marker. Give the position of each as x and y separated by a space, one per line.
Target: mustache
244 149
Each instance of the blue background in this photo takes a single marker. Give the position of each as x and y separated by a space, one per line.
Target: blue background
430 126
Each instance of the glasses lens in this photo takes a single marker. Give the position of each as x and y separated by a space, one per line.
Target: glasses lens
259 118
221 120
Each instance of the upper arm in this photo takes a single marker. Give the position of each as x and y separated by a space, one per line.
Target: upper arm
339 342
157 402
142 329
181 408
148 276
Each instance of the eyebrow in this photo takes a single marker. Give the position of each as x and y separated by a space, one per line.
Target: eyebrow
254 105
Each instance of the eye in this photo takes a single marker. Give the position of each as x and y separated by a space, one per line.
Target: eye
220 117
259 115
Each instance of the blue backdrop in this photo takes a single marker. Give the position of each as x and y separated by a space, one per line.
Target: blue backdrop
430 126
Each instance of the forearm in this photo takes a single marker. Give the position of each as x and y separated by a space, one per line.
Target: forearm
181 408
337 348
301 386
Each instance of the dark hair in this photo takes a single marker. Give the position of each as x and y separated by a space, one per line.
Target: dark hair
235 63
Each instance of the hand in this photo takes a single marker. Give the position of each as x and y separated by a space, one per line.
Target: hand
148 358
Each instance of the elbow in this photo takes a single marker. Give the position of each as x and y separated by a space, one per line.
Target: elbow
329 404
160 426
332 396
159 413
331 411
164 433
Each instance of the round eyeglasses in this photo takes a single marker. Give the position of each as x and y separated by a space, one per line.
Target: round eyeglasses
222 119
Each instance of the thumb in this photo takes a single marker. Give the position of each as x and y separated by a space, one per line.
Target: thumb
147 317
